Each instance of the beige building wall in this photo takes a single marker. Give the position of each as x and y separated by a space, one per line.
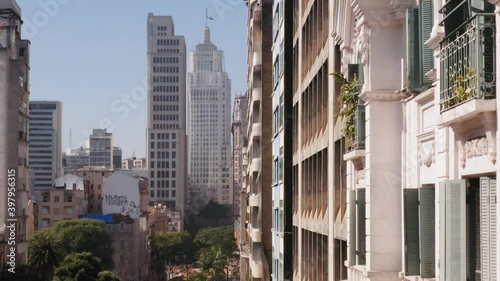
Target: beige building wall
96 177
60 204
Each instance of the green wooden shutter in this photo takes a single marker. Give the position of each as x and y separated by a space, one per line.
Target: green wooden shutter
361 226
427 232
352 228
442 231
455 244
488 229
412 49
412 259
426 53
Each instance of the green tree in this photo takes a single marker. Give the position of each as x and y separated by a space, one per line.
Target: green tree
107 276
222 236
45 252
213 262
197 277
172 249
81 267
85 235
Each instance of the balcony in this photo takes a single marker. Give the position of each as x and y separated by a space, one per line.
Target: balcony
245 251
257 11
256 95
468 70
257 62
254 200
256 130
255 234
256 164
256 268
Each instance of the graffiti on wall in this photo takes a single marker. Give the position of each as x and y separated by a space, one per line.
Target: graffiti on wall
122 203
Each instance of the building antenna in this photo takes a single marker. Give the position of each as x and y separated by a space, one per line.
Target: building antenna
70 139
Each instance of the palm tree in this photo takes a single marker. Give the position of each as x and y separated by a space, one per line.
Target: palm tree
45 252
213 262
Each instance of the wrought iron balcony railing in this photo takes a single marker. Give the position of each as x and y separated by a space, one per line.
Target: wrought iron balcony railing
356 139
468 62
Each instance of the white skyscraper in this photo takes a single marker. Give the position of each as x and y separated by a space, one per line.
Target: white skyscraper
209 119
167 140
45 142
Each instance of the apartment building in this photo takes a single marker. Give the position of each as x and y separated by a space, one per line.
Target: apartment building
14 116
257 263
65 201
96 177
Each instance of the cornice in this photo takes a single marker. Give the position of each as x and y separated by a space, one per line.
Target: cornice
369 96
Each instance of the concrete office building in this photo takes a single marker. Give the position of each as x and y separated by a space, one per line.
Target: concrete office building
101 149
45 142
117 158
209 121
75 159
166 137
257 264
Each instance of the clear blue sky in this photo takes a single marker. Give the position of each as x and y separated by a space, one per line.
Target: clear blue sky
88 53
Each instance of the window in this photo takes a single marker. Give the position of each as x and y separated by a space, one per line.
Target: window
45 210
419 225
56 199
69 198
469 212
45 197
281 112
56 211
357 224
420 58
68 211
276 72
45 222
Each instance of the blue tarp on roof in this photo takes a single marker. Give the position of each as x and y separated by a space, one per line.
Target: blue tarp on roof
104 218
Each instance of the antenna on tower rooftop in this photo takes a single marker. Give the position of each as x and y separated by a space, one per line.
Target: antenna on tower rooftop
70 139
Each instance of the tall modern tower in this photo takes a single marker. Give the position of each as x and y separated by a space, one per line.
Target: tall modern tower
45 146
167 139
209 119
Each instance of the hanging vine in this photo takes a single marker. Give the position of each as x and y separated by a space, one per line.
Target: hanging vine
349 98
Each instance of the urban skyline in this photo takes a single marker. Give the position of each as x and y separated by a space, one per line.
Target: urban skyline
128 65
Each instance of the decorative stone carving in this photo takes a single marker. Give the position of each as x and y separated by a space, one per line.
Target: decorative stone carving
363 45
360 175
476 147
426 159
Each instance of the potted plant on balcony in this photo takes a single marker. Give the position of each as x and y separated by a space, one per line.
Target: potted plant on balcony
349 98
462 86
